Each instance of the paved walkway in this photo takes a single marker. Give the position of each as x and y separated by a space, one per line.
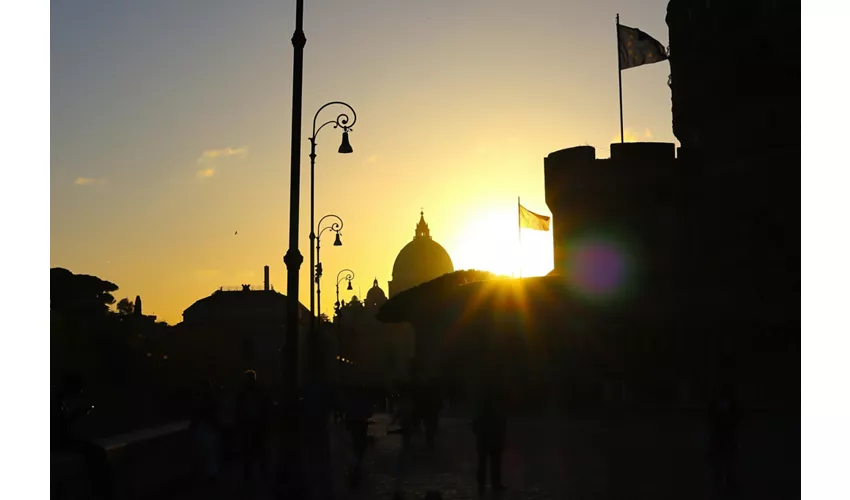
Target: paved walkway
579 458
652 457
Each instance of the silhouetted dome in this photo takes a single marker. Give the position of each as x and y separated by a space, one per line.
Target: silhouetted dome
421 260
375 296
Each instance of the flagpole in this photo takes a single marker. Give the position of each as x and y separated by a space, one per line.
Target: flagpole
620 79
519 232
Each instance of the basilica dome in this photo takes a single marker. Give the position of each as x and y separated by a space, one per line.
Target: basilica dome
420 261
375 297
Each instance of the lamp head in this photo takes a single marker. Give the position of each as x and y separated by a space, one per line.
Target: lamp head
337 241
345 147
349 286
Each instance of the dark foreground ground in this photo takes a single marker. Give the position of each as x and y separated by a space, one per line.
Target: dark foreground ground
640 457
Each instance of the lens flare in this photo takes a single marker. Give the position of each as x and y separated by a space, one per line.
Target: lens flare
598 268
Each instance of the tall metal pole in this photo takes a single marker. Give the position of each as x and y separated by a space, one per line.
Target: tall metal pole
318 282
292 472
313 241
620 79
293 257
519 232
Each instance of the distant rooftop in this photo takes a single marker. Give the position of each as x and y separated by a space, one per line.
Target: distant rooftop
244 288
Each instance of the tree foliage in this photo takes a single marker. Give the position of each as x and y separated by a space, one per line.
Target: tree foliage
108 350
80 294
125 307
423 296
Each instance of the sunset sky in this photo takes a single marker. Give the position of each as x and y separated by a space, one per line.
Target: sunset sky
170 132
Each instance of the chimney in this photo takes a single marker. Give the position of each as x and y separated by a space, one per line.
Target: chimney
266 278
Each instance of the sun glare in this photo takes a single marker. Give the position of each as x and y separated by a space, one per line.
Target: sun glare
489 241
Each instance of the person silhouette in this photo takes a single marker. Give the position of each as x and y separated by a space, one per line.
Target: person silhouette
357 422
404 416
490 427
723 421
67 410
431 406
252 412
205 430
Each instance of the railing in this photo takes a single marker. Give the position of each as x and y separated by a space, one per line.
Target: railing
141 464
239 288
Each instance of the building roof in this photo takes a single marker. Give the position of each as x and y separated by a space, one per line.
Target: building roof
250 305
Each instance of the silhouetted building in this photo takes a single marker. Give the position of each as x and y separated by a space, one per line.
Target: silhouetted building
617 240
735 81
375 297
421 260
628 205
235 329
736 97
381 351
674 273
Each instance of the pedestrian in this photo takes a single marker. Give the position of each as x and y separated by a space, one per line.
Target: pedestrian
205 431
357 422
252 409
723 421
404 417
490 427
431 407
69 407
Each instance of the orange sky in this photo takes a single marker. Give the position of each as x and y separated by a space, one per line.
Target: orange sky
170 131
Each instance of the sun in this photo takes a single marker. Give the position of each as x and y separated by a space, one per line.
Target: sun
489 240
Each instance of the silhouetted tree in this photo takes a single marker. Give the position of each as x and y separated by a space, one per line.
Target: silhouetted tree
109 351
125 307
323 318
79 294
431 292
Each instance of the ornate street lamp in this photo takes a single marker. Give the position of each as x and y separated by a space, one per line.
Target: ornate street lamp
339 279
346 122
336 227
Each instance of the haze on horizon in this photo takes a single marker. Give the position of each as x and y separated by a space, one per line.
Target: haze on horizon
170 132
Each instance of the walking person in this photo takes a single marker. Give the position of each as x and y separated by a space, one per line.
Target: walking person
252 410
357 422
205 431
432 405
490 427
404 417
69 407
723 422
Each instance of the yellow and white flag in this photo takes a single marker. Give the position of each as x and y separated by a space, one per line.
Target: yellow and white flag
531 220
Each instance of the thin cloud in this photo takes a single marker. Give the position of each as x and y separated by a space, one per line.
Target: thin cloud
214 154
206 173
88 181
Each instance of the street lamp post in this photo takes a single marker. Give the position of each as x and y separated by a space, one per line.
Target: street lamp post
345 122
348 277
293 257
291 477
337 228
